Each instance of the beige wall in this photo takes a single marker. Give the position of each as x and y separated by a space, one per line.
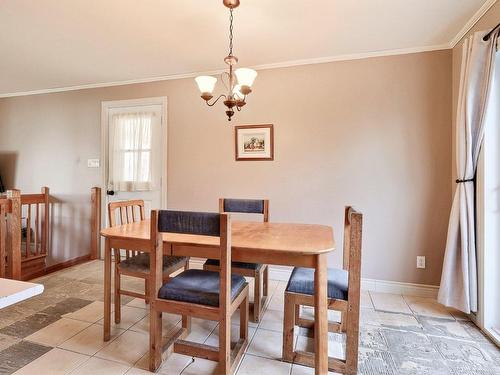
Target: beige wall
490 19
375 133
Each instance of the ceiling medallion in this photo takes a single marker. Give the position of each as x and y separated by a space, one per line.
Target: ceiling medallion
239 81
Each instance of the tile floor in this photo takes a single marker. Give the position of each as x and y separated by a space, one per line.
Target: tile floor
60 332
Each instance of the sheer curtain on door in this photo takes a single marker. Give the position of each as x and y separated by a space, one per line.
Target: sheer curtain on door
131 153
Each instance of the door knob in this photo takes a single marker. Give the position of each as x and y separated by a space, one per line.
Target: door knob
110 192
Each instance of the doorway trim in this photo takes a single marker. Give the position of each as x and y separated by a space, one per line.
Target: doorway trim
105 107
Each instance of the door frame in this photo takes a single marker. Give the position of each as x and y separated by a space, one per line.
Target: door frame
105 107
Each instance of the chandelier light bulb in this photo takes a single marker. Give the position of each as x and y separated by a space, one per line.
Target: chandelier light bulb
206 84
245 76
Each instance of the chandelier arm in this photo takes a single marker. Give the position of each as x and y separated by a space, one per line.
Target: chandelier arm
216 100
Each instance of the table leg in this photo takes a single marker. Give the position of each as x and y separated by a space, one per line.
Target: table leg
107 290
321 315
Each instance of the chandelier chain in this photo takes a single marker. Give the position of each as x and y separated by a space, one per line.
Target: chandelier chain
231 32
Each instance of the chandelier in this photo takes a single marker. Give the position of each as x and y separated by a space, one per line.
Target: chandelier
238 82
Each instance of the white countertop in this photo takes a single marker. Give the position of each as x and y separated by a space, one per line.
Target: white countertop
14 291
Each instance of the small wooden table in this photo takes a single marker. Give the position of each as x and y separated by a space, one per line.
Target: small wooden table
301 245
14 291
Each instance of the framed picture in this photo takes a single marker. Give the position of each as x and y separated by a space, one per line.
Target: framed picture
254 142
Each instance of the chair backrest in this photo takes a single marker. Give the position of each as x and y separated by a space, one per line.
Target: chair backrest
196 223
125 212
245 206
353 229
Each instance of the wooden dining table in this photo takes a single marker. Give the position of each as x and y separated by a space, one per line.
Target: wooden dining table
300 245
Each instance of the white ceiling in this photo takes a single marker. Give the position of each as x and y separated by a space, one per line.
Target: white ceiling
48 44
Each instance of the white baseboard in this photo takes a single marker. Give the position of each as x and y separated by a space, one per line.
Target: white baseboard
281 273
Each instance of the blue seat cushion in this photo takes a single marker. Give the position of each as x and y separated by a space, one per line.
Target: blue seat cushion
199 286
302 281
248 266
140 263
249 206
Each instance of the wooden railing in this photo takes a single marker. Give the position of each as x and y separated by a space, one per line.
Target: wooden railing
5 209
35 224
24 233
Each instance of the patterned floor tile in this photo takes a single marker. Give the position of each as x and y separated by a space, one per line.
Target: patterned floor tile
6 341
406 365
444 327
461 350
372 338
414 345
375 362
29 325
19 355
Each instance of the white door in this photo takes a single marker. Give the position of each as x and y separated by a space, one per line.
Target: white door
135 162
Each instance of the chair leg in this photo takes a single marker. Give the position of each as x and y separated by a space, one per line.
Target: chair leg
244 319
297 314
146 290
225 345
118 302
352 340
265 289
155 339
186 323
288 327
257 297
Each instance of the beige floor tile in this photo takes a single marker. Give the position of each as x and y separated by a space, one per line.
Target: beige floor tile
277 302
174 364
307 312
54 362
458 315
427 307
90 313
266 344
169 322
100 366
303 370
392 320
129 317
58 332
366 301
202 367
390 302
138 371
272 320
252 365
200 330
138 302
335 347
213 339
127 348
89 341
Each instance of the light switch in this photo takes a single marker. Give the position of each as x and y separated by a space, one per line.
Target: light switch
93 163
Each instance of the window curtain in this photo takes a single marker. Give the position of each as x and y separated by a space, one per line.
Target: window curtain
131 164
458 287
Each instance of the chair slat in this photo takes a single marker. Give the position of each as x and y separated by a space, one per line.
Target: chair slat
28 232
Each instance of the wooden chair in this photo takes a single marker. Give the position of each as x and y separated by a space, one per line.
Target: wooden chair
197 293
260 272
136 264
343 296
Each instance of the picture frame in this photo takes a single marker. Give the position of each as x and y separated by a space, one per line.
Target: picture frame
254 142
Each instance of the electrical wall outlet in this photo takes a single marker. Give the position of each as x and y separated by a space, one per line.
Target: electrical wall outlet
420 262
93 163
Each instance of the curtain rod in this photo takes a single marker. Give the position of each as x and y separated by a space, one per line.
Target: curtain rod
487 36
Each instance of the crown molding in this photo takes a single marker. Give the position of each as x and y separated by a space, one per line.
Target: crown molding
472 21
284 64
